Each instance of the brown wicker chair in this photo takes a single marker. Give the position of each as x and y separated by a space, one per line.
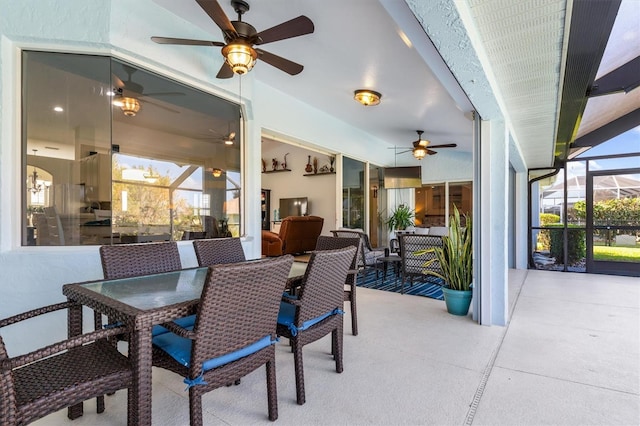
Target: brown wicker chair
316 310
332 243
368 256
234 333
132 260
412 265
218 251
60 375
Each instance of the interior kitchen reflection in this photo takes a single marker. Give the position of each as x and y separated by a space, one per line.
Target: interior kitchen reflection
115 154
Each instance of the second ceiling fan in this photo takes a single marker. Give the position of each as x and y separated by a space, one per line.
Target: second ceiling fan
240 38
422 147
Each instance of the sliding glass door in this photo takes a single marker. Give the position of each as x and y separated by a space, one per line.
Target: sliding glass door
613 222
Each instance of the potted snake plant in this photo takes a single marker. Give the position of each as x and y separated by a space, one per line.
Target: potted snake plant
456 264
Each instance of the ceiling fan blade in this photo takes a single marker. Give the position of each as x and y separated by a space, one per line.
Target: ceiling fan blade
215 12
186 41
118 81
164 94
175 111
279 62
430 152
446 145
293 28
225 71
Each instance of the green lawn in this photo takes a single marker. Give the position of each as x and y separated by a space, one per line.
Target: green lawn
616 254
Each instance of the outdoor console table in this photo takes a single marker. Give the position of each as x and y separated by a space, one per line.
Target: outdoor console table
140 303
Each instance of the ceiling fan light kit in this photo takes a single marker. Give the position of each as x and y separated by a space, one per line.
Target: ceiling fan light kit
367 97
419 152
240 56
216 172
129 106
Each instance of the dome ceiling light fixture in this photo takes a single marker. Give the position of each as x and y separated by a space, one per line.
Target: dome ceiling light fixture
367 97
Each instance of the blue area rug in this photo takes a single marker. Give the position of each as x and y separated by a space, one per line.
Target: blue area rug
431 288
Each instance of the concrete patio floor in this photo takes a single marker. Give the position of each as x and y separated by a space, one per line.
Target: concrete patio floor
570 355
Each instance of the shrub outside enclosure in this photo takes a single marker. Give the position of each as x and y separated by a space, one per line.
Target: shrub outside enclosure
576 243
544 239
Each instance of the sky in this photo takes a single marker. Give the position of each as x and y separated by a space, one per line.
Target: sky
628 142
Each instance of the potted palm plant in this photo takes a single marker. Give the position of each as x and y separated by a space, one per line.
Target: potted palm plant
456 264
400 219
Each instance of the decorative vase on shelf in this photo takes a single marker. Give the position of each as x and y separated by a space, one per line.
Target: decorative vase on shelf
315 165
309 167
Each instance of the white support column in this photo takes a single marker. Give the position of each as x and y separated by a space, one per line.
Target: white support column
494 189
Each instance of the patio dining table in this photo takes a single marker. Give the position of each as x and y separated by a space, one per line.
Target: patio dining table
140 303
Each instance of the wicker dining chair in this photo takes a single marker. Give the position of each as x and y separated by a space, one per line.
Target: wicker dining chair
368 256
132 260
332 243
60 375
216 251
234 333
316 310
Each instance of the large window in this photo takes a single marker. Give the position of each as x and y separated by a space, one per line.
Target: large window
115 154
434 202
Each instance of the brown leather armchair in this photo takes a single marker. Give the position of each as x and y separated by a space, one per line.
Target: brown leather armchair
298 234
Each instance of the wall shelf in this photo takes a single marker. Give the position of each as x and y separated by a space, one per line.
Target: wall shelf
318 174
277 171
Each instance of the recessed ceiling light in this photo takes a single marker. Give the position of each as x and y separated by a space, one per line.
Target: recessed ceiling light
58 108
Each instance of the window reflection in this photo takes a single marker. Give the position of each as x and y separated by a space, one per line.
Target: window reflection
127 157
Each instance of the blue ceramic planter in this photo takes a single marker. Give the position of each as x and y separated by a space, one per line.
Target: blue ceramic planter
457 301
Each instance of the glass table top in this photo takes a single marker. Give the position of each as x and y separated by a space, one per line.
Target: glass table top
153 291
158 290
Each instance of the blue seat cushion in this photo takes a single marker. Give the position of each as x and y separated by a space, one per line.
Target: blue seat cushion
287 315
179 348
186 322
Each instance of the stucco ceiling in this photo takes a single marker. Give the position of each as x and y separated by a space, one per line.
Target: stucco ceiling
515 63
356 45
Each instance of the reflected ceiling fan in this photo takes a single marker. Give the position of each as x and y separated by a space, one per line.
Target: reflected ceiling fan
241 37
422 147
228 138
127 92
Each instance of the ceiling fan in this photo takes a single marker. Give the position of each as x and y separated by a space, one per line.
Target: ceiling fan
422 147
240 37
228 138
127 92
